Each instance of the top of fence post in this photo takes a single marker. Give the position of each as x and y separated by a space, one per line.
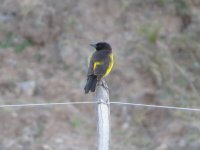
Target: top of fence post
103 115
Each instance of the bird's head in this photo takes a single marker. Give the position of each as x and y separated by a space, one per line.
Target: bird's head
101 46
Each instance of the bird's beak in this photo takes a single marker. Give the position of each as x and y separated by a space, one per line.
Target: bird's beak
93 45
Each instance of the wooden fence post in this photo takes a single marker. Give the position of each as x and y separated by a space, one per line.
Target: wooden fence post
103 115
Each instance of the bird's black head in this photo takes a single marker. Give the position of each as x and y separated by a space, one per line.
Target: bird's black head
101 46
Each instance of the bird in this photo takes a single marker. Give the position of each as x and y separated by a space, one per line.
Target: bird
100 64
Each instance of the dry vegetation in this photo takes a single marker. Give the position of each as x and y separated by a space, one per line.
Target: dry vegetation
43 56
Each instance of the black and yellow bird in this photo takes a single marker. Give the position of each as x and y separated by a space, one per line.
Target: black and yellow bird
100 64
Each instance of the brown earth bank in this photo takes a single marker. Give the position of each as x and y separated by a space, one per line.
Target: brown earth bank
44 45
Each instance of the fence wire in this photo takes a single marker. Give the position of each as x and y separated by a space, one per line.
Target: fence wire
90 102
45 104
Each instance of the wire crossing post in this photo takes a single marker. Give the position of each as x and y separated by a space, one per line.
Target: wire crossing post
103 115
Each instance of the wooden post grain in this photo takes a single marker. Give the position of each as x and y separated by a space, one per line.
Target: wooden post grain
103 115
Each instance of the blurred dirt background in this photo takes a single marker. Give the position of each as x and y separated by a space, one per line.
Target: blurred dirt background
44 45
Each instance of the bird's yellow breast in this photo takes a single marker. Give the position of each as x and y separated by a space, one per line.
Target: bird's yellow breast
110 65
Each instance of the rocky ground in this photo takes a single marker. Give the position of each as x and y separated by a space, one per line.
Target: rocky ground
44 45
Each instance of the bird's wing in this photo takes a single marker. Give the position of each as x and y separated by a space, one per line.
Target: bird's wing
100 63
91 64
100 67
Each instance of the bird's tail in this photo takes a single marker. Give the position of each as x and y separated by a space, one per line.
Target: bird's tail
91 84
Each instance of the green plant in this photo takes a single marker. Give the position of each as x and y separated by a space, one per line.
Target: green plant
181 6
125 4
151 32
75 122
28 7
66 67
161 2
9 42
22 46
39 129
